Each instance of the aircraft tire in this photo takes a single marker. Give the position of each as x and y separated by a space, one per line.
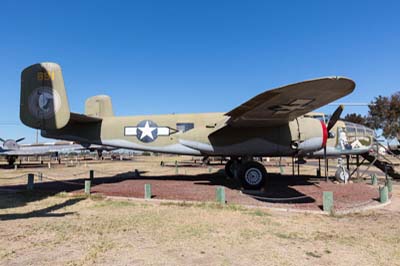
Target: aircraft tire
252 175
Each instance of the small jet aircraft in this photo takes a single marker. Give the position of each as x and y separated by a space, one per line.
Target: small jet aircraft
270 124
11 149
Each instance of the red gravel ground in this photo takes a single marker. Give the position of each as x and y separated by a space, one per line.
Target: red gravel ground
281 191
300 192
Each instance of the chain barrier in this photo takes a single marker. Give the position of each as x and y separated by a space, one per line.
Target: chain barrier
81 173
109 173
365 203
61 181
13 177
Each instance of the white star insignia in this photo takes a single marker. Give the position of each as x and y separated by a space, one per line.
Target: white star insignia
147 131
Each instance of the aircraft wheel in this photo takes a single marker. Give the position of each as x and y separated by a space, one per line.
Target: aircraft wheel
253 175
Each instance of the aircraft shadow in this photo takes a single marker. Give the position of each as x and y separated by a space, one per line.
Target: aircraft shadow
279 188
45 212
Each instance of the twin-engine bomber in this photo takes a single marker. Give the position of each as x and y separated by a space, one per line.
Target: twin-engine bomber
270 124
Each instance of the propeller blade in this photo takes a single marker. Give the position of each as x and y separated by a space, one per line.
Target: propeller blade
335 117
21 139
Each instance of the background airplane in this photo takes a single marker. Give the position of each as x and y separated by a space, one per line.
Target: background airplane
270 124
11 149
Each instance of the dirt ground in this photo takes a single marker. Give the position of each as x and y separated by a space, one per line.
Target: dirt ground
43 228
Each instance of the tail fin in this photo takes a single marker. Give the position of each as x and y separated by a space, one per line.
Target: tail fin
44 103
99 106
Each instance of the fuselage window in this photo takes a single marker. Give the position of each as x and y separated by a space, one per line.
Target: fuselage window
183 127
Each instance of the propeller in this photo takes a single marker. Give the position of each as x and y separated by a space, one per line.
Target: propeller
18 140
332 121
335 117
11 144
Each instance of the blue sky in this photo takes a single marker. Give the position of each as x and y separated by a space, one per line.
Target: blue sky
196 56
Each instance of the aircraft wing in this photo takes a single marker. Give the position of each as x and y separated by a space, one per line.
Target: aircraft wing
23 152
42 149
278 106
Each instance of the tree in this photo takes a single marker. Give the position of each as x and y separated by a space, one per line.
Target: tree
384 113
356 118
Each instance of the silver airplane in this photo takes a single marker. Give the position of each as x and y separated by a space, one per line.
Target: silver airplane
11 149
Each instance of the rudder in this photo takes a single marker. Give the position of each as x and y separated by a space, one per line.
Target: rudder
43 103
99 106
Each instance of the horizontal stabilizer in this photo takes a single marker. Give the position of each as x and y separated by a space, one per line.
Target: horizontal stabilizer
79 118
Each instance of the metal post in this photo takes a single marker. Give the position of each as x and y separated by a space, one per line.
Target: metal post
348 162
389 184
383 194
87 187
319 166
326 169
30 184
298 166
293 165
374 180
327 203
40 177
91 175
358 165
147 191
176 167
220 195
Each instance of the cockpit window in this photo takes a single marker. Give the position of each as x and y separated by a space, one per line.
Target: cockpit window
183 127
320 117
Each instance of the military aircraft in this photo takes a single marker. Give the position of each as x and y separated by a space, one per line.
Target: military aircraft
11 149
270 124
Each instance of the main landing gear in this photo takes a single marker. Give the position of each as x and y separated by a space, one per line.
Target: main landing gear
251 174
11 160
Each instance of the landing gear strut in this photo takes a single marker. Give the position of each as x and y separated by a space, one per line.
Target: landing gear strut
100 155
230 167
11 160
251 174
